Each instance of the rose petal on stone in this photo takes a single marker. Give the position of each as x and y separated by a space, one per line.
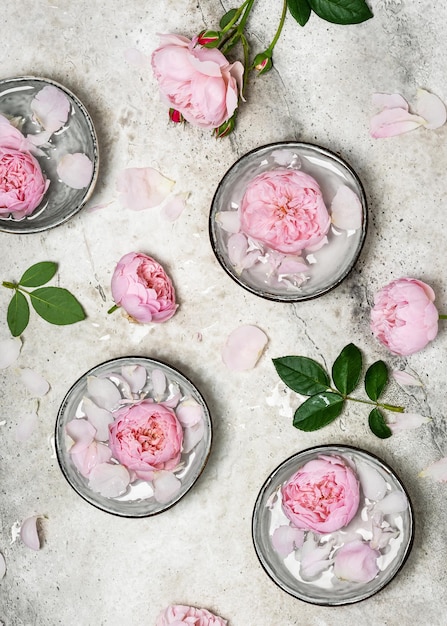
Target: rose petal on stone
143 188
373 484
244 347
192 436
9 352
286 539
136 58
394 502
2 566
406 379
99 418
166 486
103 392
135 375
159 383
110 480
82 432
34 382
26 426
431 108
29 534
174 207
314 558
50 107
189 413
346 209
392 122
406 421
230 221
389 101
437 470
75 170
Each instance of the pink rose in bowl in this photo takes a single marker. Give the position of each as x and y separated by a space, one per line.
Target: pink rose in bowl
404 318
178 614
197 82
284 209
22 184
145 437
144 290
322 496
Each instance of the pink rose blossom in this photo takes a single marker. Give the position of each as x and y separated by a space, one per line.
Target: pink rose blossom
322 496
404 318
22 184
146 437
178 614
284 209
197 82
356 561
144 290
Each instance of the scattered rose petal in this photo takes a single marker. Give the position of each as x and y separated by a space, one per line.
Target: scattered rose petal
143 188
406 379
34 382
166 486
230 221
110 480
174 207
2 566
394 502
26 426
51 108
189 413
75 170
99 418
286 539
9 352
243 347
346 209
437 470
314 558
96 207
192 436
29 534
356 561
406 421
82 433
389 101
158 383
373 484
431 108
392 122
91 456
136 58
104 392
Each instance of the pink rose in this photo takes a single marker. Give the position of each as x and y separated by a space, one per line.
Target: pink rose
177 615
141 286
404 318
197 82
145 437
22 184
356 561
322 496
284 209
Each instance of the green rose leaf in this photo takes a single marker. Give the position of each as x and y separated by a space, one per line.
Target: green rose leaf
376 379
226 19
302 374
300 10
38 274
347 369
341 11
378 424
318 411
18 314
56 305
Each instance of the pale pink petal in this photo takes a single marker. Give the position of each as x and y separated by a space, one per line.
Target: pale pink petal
314 558
110 480
99 418
91 456
286 539
192 436
122 385
75 170
189 412
135 375
406 379
394 502
230 221
40 139
104 393
159 383
373 484
381 533
2 566
143 188
174 207
82 433
239 254
392 122
29 534
50 107
431 108
323 241
292 265
356 561
346 209
166 486
243 347
389 101
26 426
136 58
174 396
437 470
9 352
406 421
97 207
34 382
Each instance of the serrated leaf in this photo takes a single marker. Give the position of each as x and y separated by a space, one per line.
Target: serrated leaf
318 411
378 424
302 374
56 305
18 314
38 274
300 10
226 19
347 369
376 378
341 11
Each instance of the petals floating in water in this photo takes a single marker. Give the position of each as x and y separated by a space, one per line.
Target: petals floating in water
104 393
286 539
51 108
75 170
346 209
166 486
189 413
110 480
98 417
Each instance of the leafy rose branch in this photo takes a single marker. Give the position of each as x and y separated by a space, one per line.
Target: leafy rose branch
308 378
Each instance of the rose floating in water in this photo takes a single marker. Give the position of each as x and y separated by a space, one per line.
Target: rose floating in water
143 289
178 614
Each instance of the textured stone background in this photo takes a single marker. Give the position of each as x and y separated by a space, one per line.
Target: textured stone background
95 569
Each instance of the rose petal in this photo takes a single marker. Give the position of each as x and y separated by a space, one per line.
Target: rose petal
99 418
159 383
2 566
135 375
110 480
40 139
431 108
136 58
75 170
82 433
346 209
437 470
314 558
9 352
230 221
29 534
192 436
34 382
292 265
394 502
373 484
104 393
143 188
50 107
406 421
91 456
392 122
174 207
286 539
189 413
166 486
356 561
406 379
239 254
381 533
26 426
389 101
243 347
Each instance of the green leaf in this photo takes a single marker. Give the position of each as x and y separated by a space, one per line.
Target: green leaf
347 369
300 10
56 305
378 424
318 411
302 374
226 19
38 274
376 379
341 11
18 314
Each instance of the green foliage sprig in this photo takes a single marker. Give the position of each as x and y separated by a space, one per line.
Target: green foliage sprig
326 402
54 304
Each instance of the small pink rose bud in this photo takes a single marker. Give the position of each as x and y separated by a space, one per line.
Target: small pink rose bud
225 129
263 62
175 116
208 38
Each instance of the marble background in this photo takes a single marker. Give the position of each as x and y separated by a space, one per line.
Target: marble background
96 569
